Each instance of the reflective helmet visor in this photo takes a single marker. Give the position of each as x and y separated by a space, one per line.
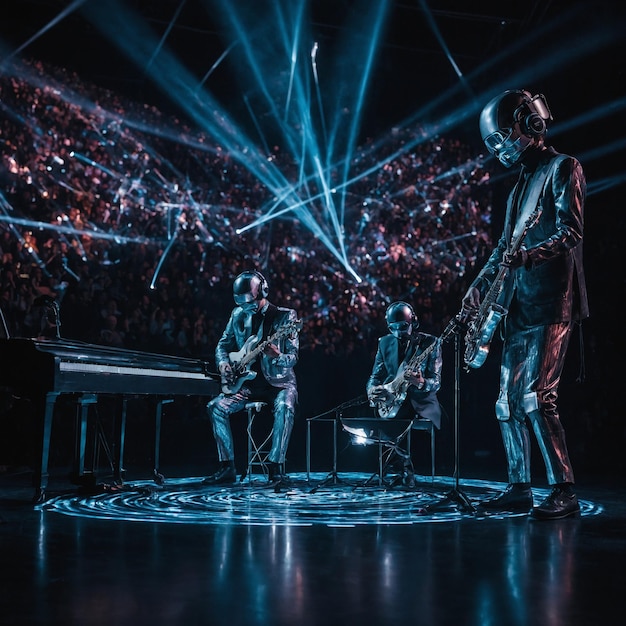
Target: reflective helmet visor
243 298
498 131
506 145
247 292
400 319
400 329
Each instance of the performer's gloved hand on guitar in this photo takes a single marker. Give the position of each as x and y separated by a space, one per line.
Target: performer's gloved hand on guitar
271 350
470 305
415 378
515 259
227 373
377 394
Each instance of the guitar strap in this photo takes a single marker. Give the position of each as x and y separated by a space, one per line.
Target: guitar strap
530 203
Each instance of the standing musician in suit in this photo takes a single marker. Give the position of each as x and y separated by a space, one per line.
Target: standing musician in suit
545 296
270 377
395 350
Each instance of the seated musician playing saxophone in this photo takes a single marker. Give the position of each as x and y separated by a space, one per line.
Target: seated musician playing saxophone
254 325
406 375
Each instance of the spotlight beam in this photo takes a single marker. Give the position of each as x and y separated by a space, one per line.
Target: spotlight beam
165 34
165 253
123 28
91 234
216 64
446 50
604 184
62 15
378 22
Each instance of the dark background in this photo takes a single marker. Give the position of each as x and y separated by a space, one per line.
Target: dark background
571 51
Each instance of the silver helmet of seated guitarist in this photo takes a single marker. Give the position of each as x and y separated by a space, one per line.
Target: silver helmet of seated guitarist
544 297
255 322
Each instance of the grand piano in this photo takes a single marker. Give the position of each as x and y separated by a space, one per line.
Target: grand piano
41 370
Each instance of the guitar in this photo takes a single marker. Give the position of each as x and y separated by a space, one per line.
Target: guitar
398 387
483 323
242 360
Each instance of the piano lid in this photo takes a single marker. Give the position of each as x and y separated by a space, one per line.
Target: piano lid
82 352
72 366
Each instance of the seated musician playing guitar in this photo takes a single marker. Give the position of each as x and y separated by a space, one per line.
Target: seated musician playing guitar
406 375
256 328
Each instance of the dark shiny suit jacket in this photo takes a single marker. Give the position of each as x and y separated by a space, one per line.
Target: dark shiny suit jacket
550 288
279 372
424 402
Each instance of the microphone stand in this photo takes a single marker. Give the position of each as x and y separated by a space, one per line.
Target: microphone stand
333 476
456 495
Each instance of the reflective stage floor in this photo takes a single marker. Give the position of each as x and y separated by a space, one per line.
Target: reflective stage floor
322 550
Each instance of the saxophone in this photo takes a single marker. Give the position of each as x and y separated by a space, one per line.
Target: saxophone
483 323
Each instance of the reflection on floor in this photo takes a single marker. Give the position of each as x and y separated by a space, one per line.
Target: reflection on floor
347 500
315 553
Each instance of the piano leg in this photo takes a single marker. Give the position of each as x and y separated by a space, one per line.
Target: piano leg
43 407
118 443
159 479
78 471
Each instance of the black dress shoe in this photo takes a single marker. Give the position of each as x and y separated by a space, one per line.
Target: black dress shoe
227 474
276 473
562 502
516 498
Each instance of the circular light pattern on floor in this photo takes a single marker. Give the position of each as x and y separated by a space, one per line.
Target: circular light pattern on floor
347 500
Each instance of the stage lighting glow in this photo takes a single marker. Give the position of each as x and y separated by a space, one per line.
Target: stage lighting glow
299 124
301 95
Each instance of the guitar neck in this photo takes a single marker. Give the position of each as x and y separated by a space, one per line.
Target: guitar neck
417 360
250 356
254 353
515 245
494 289
284 330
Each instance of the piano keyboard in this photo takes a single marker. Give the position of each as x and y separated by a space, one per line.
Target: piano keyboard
101 368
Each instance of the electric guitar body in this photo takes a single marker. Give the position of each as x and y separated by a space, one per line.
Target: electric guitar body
242 360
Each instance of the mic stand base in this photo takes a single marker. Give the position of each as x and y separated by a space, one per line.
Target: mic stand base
332 478
454 497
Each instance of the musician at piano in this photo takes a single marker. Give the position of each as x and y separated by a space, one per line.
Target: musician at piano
255 357
538 259
396 386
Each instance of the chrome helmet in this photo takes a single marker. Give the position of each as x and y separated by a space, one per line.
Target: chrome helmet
510 122
401 319
249 289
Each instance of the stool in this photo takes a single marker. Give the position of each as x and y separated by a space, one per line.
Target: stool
257 452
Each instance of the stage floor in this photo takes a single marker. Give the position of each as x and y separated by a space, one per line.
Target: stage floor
324 550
